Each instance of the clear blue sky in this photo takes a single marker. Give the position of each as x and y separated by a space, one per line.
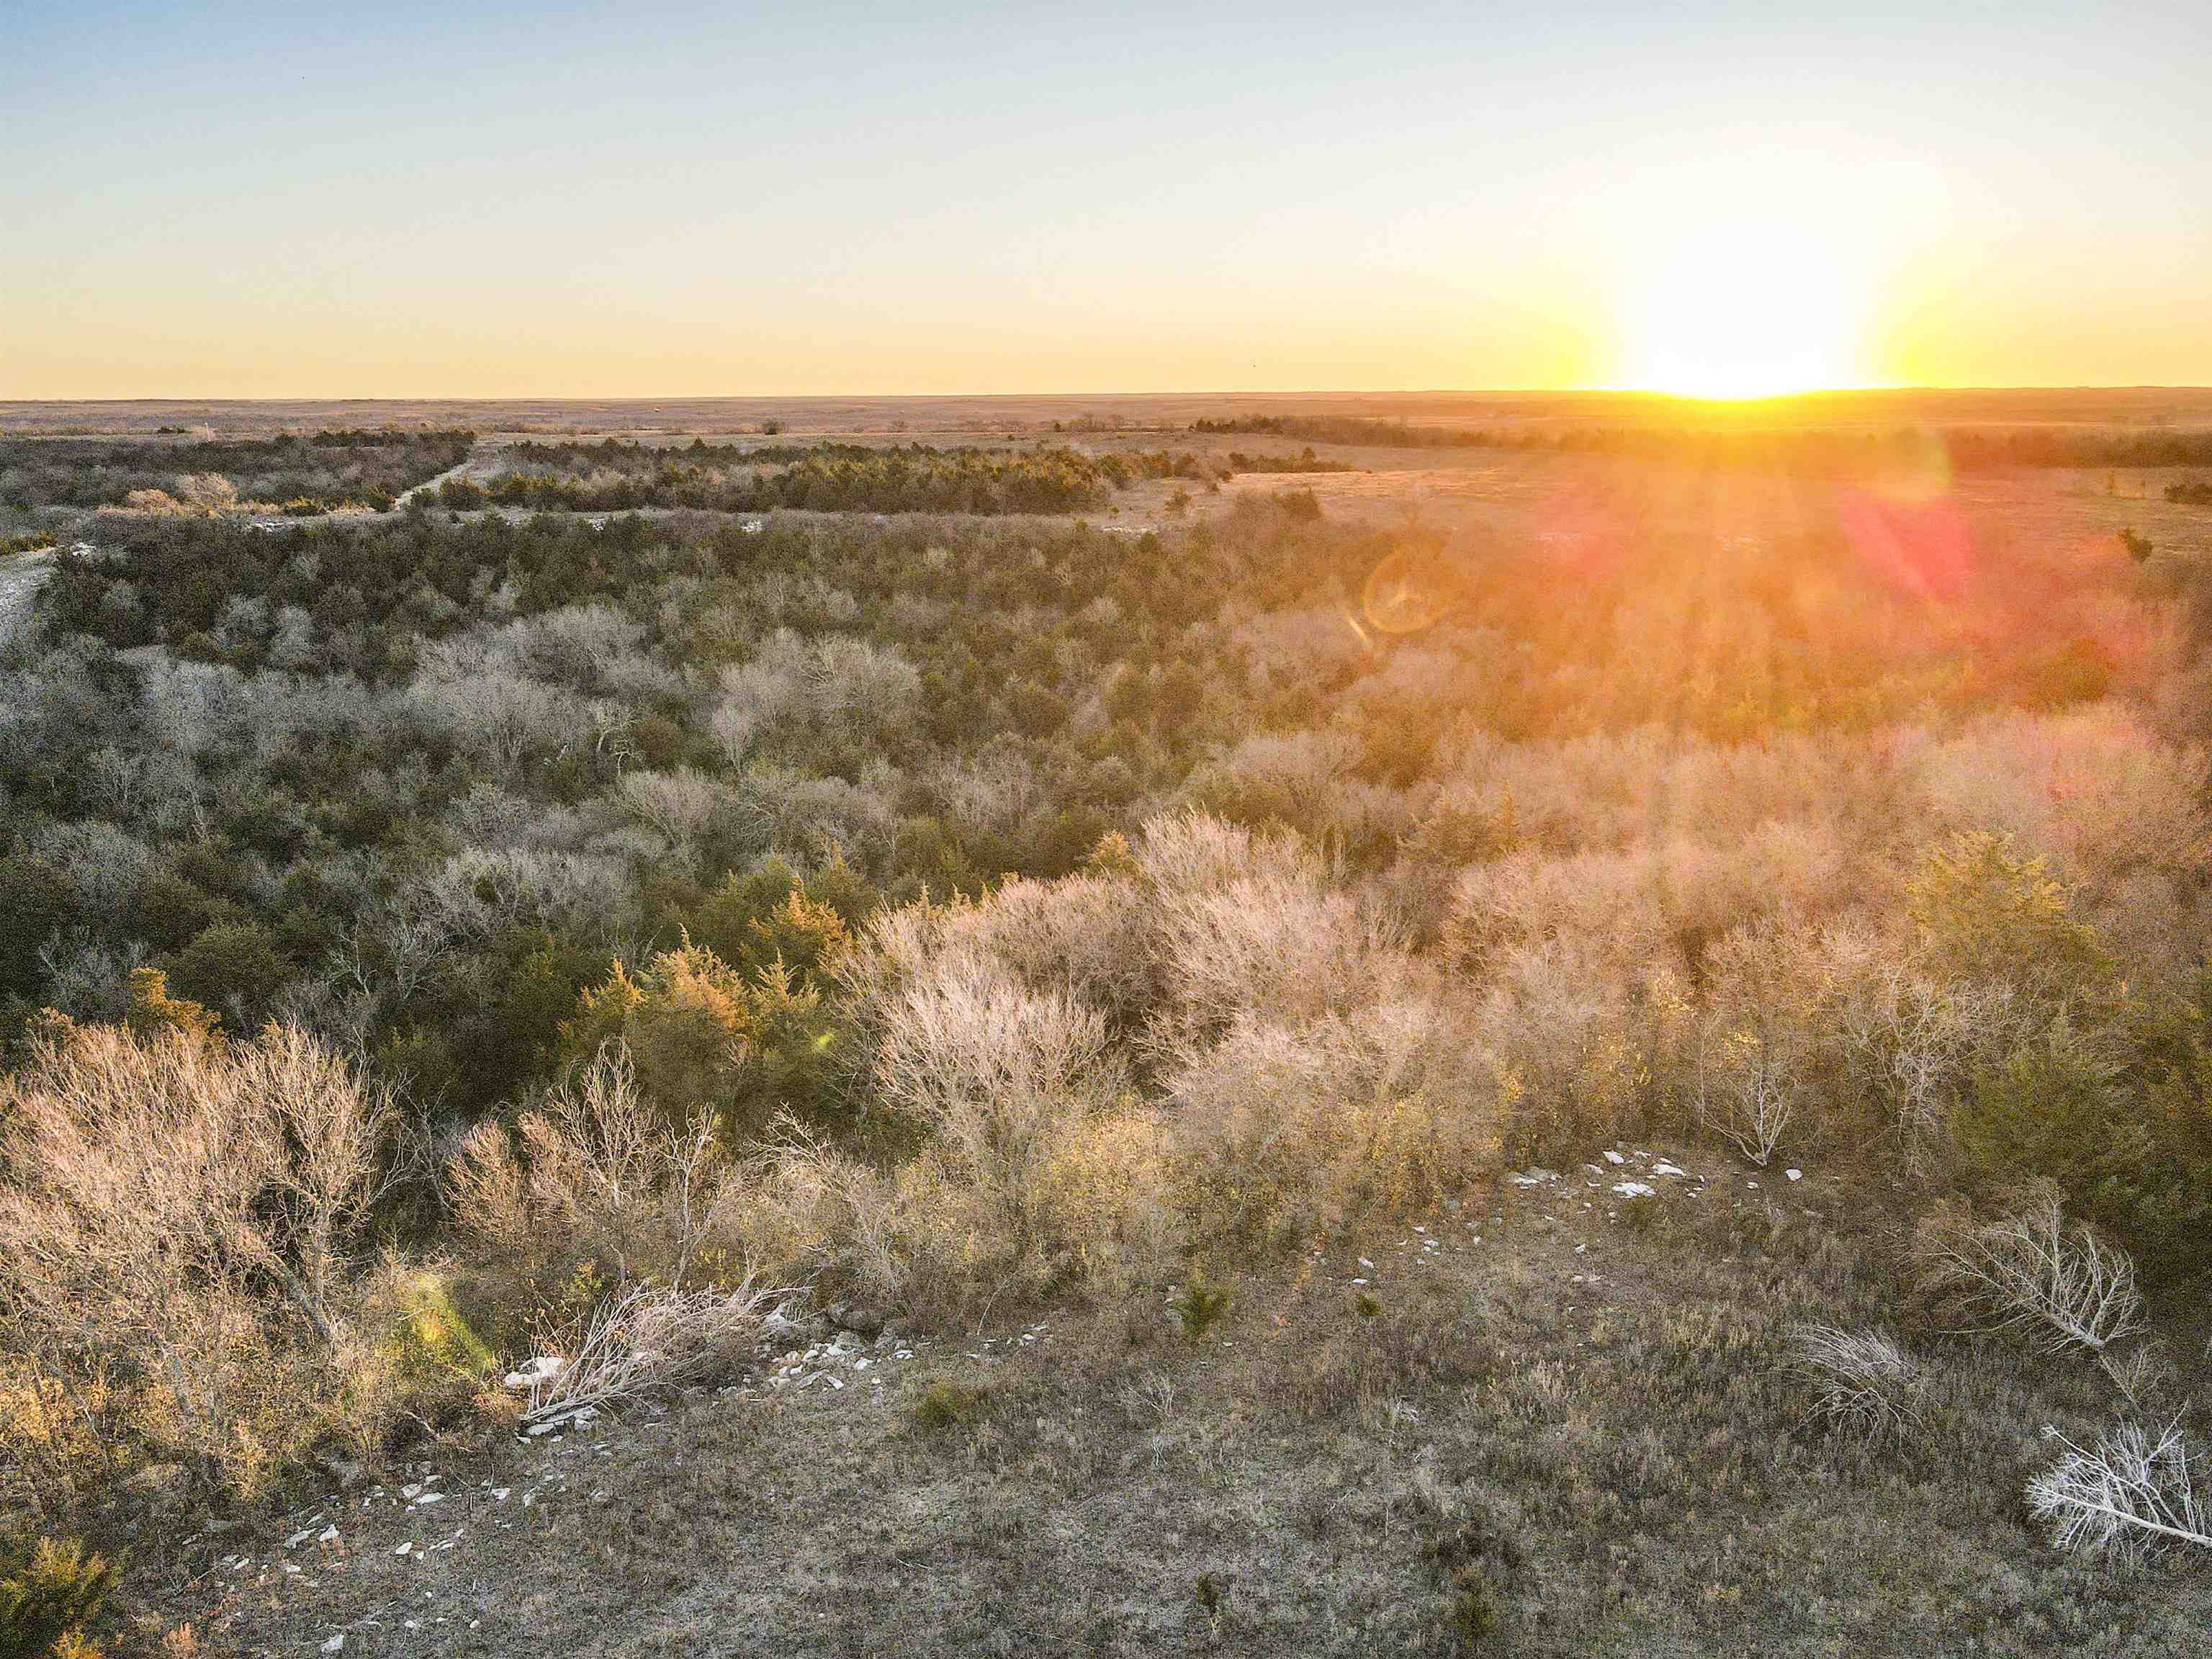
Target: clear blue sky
398 200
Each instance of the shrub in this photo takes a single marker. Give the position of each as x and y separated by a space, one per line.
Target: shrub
1202 1305
2056 1108
1986 912
188 1207
1863 1382
945 1404
48 1593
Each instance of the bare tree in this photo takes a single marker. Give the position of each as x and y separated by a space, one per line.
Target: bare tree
2031 1269
2130 1494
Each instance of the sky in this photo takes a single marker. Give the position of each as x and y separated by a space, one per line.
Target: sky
501 200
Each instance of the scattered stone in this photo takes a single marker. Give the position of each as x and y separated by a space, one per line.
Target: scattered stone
1635 1190
1794 1175
336 1645
1614 1157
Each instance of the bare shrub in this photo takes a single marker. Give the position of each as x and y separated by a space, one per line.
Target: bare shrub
188 1207
1089 935
1755 1045
792 689
1246 925
1532 898
597 1170
678 805
2031 1270
2128 1496
1903 1036
997 1072
1863 1382
498 715
1281 1131
208 492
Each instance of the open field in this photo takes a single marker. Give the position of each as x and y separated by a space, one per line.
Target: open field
1353 1007
2150 406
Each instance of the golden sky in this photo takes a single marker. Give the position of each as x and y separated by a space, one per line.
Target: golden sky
259 200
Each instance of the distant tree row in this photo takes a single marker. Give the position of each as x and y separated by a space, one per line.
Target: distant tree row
615 477
302 475
1968 448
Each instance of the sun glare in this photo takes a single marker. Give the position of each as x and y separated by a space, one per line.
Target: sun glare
1752 309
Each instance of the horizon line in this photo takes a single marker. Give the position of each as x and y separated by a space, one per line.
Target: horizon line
1649 393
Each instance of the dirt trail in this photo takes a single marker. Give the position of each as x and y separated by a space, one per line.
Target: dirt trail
480 458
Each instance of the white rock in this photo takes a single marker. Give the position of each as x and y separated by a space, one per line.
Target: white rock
1614 1157
535 1372
1635 1190
336 1645
327 1535
405 1549
430 1497
1662 1167
1794 1175
299 1538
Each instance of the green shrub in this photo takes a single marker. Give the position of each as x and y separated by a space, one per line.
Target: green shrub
2132 1153
1201 1306
1986 912
50 1592
946 1404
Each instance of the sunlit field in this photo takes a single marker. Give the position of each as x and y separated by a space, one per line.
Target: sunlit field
1558 1025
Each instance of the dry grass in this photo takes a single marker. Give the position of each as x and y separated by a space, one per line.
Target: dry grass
1615 1466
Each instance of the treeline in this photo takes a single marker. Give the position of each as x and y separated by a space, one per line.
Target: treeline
1966 448
616 477
1348 429
1304 461
300 474
2192 492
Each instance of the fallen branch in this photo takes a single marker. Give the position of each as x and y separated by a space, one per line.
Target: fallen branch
646 1340
2031 1268
2128 1495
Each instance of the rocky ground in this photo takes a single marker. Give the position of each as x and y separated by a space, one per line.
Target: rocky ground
1549 1419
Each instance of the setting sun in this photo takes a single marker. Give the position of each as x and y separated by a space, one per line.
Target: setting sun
1752 308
